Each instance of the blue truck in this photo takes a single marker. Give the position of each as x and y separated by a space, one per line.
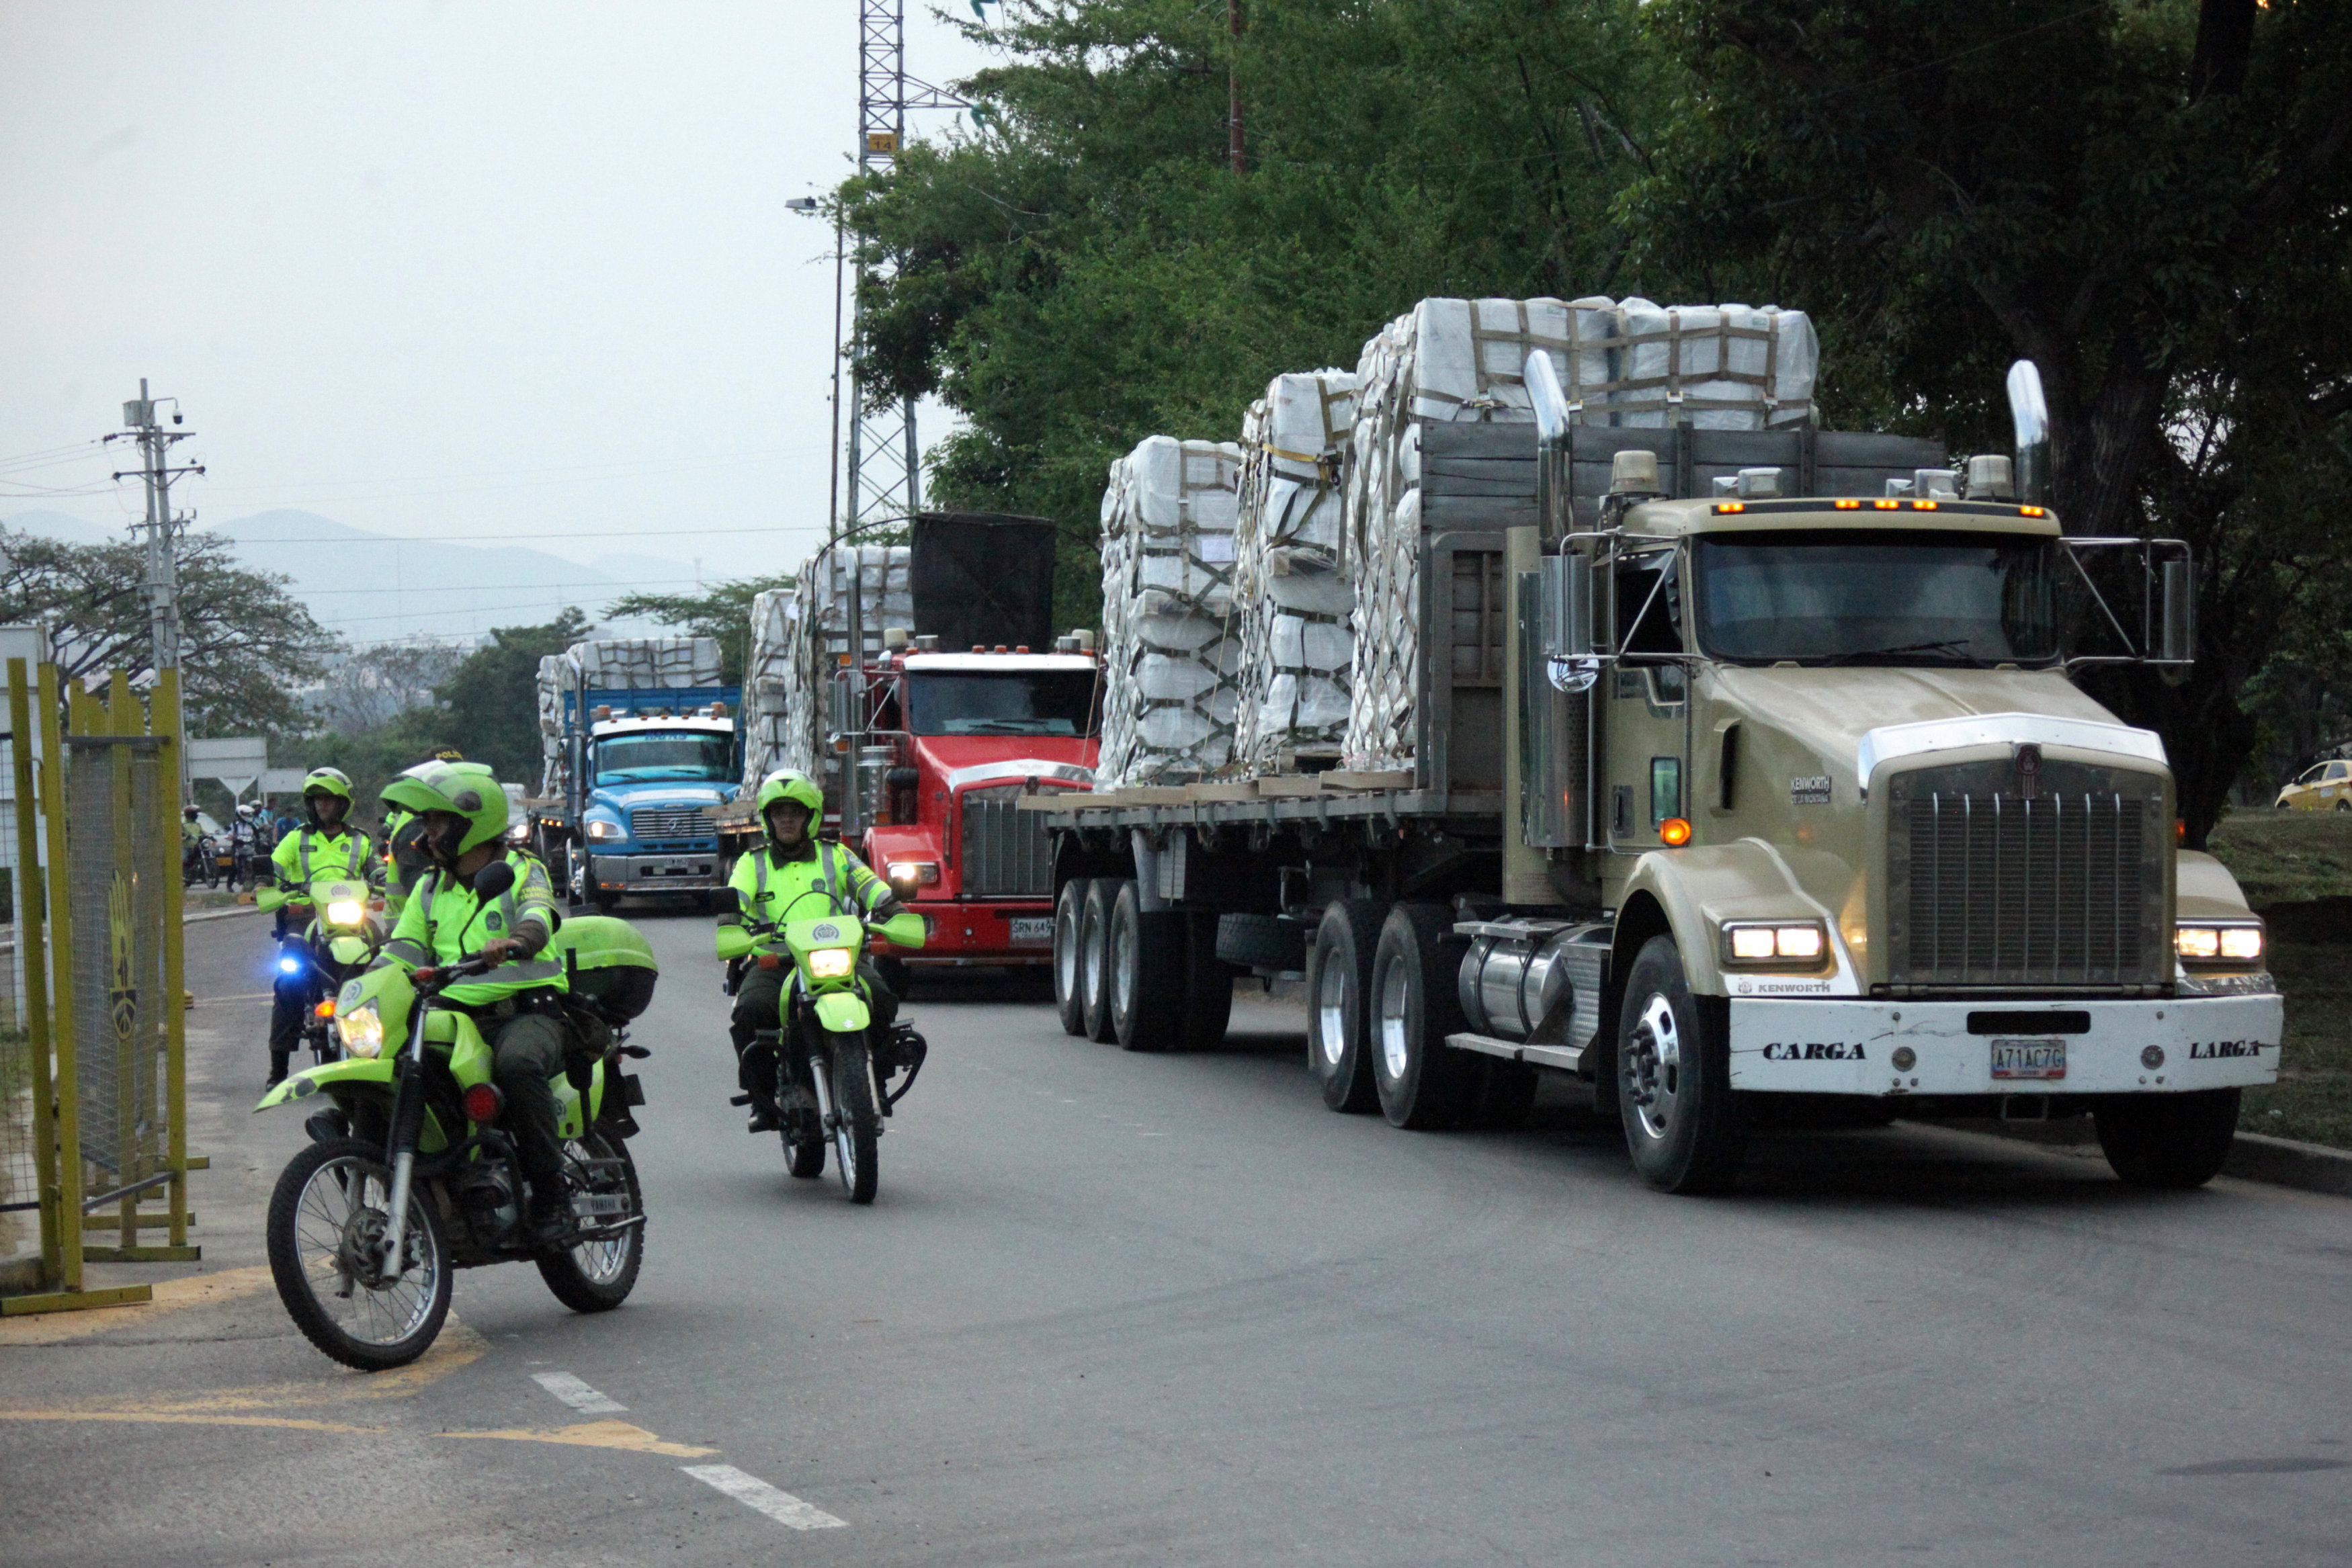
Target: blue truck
636 774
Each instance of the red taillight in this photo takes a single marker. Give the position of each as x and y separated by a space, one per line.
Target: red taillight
483 1103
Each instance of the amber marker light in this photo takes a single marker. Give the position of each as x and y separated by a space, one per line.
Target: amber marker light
1923 505
1722 507
2033 511
1887 506
2180 829
325 1010
1674 832
1848 505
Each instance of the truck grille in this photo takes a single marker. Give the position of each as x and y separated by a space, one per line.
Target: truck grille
1004 851
671 824
1988 887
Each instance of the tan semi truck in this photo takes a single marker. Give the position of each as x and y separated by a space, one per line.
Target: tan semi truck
1764 795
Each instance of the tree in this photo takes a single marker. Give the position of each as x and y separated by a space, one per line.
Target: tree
372 686
722 612
488 707
245 646
2148 200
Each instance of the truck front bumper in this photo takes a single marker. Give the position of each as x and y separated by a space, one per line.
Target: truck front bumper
1837 1046
982 936
688 870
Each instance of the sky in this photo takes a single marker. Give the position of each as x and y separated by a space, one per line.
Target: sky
505 272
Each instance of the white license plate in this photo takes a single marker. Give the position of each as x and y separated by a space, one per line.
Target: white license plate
1028 929
2028 1059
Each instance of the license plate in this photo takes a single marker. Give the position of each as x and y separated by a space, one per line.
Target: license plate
1037 929
2028 1059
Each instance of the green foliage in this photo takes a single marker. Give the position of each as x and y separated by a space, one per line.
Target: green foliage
245 647
488 707
723 613
371 756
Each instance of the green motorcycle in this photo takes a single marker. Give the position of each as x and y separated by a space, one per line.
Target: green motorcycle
365 1231
341 939
832 1064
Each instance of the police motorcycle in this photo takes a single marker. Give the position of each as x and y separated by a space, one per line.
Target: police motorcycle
833 1067
341 941
365 1231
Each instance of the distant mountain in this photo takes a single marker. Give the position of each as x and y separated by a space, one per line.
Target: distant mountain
375 587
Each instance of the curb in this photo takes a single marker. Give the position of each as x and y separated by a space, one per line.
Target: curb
2253 1156
204 915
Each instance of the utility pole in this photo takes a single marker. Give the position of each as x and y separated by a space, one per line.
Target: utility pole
155 444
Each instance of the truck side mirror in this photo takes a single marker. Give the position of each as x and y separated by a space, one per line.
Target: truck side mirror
2177 644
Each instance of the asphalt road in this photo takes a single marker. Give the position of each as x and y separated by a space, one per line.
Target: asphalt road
1168 1310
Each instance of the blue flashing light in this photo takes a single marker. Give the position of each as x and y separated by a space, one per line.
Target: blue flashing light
289 964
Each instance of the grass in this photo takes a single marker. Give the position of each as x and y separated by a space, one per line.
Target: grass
2290 858
2287 857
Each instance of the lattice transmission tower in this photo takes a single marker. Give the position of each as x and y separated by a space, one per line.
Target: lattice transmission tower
885 460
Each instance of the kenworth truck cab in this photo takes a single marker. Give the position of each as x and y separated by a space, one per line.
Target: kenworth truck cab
1796 812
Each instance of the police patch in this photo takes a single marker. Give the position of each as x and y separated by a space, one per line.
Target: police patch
491 921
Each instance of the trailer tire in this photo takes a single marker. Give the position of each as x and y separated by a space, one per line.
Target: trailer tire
1208 986
1146 953
1069 986
1339 1003
1261 941
2173 1141
1683 1127
1423 1082
1094 957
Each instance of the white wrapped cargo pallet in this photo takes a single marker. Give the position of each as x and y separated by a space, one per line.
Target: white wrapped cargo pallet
767 686
552 773
1635 364
1169 659
798 636
1293 587
645 663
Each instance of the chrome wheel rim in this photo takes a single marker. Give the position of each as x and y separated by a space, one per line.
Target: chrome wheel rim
1066 956
604 1260
1122 972
1653 1056
1394 1051
1330 1010
1090 943
339 1232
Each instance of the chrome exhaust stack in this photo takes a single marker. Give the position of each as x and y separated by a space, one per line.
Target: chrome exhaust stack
2029 413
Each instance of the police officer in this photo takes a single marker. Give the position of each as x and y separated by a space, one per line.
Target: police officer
792 876
461 821
326 845
405 859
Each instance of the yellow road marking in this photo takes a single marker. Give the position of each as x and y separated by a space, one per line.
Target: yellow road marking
595 1435
458 1346
170 1296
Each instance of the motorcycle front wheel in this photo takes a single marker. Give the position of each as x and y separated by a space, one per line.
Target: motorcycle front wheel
325 1233
857 1118
597 1275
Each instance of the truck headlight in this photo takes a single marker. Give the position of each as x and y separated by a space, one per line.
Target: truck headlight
2219 942
598 830
361 1029
346 912
914 873
831 963
1783 943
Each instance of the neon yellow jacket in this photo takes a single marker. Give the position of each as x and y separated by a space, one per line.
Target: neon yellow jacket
444 922
833 880
308 855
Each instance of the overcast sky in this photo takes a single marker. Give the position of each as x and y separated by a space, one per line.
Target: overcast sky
488 268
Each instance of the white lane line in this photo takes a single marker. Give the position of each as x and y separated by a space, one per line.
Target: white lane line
753 1492
578 1395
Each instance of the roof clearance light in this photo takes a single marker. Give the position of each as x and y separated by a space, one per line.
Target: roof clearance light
1887 506
2033 511
1923 505
1674 832
1731 505
1848 505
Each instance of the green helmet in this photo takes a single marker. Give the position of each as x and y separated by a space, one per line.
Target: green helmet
327 782
789 784
468 788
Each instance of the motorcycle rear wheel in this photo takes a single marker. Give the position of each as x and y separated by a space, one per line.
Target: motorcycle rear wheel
597 1276
858 1120
329 1206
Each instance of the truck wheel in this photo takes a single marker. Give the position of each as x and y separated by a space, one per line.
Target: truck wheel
1069 990
1208 986
1682 1126
1094 957
1420 1080
1339 1003
2168 1140
1147 972
1261 941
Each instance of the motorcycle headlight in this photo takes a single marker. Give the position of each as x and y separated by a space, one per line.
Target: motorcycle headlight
831 963
345 912
361 1029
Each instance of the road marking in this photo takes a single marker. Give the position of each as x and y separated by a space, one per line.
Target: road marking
594 1435
578 1395
170 1296
457 1347
168 1421
753 1492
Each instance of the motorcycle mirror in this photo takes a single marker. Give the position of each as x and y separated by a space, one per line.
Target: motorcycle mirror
494 879
725 901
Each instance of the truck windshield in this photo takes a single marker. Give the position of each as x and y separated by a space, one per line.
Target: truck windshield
971 702
679 754
1877 598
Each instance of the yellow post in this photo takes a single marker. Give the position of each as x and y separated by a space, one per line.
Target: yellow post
134 1071
165 722
53 806
31 911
